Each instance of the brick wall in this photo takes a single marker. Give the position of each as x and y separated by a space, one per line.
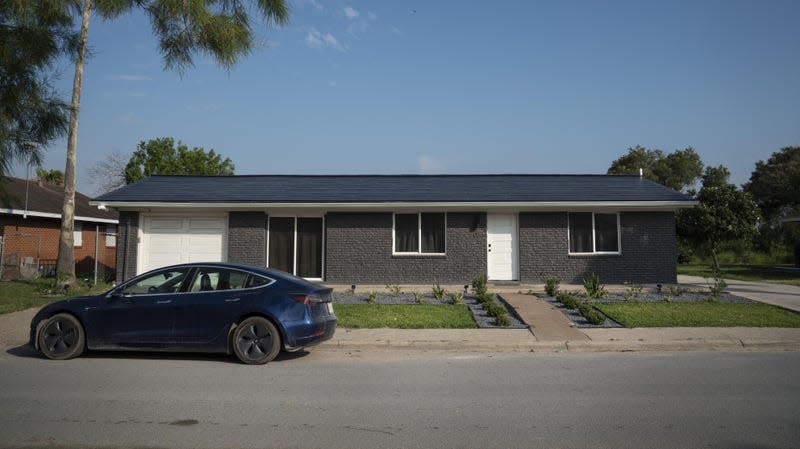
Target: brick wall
37 238
127 244
648 250
359 250
247 238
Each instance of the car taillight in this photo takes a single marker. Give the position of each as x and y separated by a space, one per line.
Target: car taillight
307 299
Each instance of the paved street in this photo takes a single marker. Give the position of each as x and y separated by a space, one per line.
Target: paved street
336 398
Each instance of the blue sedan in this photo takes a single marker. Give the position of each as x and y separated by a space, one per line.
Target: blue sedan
203 307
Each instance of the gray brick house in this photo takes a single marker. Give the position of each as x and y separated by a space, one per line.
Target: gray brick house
381 229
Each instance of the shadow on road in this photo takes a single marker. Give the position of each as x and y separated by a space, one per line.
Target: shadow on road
27 351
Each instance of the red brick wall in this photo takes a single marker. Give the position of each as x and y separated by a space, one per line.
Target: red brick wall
38 238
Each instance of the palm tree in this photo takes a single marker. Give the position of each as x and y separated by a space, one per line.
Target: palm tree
221 28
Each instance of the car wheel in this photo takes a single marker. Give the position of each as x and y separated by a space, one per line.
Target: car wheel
61 337
256 341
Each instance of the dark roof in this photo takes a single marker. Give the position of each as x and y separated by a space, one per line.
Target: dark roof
391 188
47 199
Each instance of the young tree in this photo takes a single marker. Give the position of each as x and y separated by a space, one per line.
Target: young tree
34 34
677 170
725 214
162 157
109 173
221 28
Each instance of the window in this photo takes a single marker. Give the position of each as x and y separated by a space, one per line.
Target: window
295 245
591 233
421 233
217 279
77 234
111 236
167 281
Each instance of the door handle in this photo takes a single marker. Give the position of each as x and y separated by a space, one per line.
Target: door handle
231 299
166 301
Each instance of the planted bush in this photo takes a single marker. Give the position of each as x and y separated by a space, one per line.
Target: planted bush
592 315
372 298
438 292
457 298
502 320
551 286
594 289
485 297
568 300
394 289
417 297
479 285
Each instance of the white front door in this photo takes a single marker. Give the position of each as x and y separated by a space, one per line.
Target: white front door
501 251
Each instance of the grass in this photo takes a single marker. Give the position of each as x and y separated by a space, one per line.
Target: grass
405 316
758 273
705 314
21 295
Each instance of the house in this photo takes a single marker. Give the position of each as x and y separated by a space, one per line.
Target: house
30 226
379 229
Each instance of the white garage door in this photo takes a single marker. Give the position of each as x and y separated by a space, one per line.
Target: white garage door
173 240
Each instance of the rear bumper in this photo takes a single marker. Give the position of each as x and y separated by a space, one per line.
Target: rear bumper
309 334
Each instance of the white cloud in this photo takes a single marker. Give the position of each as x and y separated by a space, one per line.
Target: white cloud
372 15
313 3
315 39
429 164
130 77
350 12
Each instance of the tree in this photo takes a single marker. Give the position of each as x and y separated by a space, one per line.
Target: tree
724 214
162 157
677 170
109 173
775 184
220 28
52 176
34 34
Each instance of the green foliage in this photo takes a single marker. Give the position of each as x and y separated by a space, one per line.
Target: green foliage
676 290
405 316
569 301
417 297
502 320
724 214
758 273
594 289
479 284
24 294
458 298
592 315
551 286
699 314
162 157
677 170
52 176
438 292
774 184
633 292
717 287
34 34
372 298
394 289
485 297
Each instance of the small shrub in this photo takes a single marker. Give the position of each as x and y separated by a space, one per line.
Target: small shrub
502 320
570 301
394 289
551 286
668 298
485 297
494 309
479 284
633 292
372 298
438 292
594 289
675 290
592 315
417 297
458 298
718 287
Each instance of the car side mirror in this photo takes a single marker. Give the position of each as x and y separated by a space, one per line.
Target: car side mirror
116 294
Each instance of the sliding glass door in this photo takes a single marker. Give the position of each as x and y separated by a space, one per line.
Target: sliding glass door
295 245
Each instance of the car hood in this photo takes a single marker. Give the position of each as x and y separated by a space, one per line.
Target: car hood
75 305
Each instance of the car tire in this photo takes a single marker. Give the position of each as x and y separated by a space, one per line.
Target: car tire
256 341
61 337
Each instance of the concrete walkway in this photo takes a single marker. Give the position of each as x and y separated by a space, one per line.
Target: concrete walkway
547 323
786 296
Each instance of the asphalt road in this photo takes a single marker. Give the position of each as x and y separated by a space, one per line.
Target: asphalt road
331 398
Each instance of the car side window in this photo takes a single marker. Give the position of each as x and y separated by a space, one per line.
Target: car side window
218 279
167 281
257 281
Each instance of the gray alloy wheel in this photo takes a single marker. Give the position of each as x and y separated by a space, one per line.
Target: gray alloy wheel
61 337
256 341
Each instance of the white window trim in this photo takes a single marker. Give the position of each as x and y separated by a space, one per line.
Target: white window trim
77 233
594 241
294 242
419 235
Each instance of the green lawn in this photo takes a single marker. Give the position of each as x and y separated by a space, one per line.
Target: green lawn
405 316
21 295
705 314
759 273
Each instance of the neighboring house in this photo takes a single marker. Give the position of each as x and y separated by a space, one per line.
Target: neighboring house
405 228
30 226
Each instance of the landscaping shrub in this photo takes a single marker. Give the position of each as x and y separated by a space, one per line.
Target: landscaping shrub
372 298
551 286
494 309
479 285
569 301
417 297
438 292
502 320
633 292
394 289
485 297
593 287
718 287
592 315
457 298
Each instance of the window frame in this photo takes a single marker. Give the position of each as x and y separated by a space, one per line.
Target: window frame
109 234
594 235
77 234
419 235
295 219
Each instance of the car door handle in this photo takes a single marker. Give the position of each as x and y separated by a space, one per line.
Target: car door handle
231 299
166 301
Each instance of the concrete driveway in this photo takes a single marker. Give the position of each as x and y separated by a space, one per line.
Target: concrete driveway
786 296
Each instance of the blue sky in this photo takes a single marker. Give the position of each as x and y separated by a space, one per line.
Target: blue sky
459 87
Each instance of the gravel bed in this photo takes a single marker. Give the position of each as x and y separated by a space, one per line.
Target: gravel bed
579 321
480 315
